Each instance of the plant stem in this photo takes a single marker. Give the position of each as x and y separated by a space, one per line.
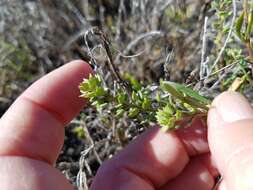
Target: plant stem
250 52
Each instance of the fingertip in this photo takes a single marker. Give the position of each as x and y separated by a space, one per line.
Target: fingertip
58 91
220 97
232 106
82 65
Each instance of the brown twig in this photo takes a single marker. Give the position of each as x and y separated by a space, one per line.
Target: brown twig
113 69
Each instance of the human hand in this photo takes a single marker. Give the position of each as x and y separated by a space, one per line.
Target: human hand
180 160
32 130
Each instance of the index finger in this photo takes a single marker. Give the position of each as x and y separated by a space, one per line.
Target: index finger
33 125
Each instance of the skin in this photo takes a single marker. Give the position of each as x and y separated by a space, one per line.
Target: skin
32 133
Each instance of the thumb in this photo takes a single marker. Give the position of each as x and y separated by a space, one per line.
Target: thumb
230 136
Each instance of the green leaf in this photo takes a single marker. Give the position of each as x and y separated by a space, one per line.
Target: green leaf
146 104
122 98
186 95
179 115
169 87
180 90
120 112
133 112
79 131
190 108
100 91
158 97
135 84
250 25
166 118
238 26
135 97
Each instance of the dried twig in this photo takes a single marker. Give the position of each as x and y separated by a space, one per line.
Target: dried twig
74 38
203 64
92 144
81 180
119 21
106 45
167 62
165 5
133 43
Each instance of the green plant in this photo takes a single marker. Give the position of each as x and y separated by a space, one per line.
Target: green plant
244 26
168 102
238 52
165 104
15 59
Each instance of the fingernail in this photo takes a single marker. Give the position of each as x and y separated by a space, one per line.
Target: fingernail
232 106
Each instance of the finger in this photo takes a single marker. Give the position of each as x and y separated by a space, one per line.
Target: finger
28 174
194 138
196 175
33 125
231 139
149 162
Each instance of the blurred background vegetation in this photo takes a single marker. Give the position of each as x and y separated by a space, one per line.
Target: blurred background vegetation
205 44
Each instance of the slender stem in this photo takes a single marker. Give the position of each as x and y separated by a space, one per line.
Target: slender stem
250 51
246 11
